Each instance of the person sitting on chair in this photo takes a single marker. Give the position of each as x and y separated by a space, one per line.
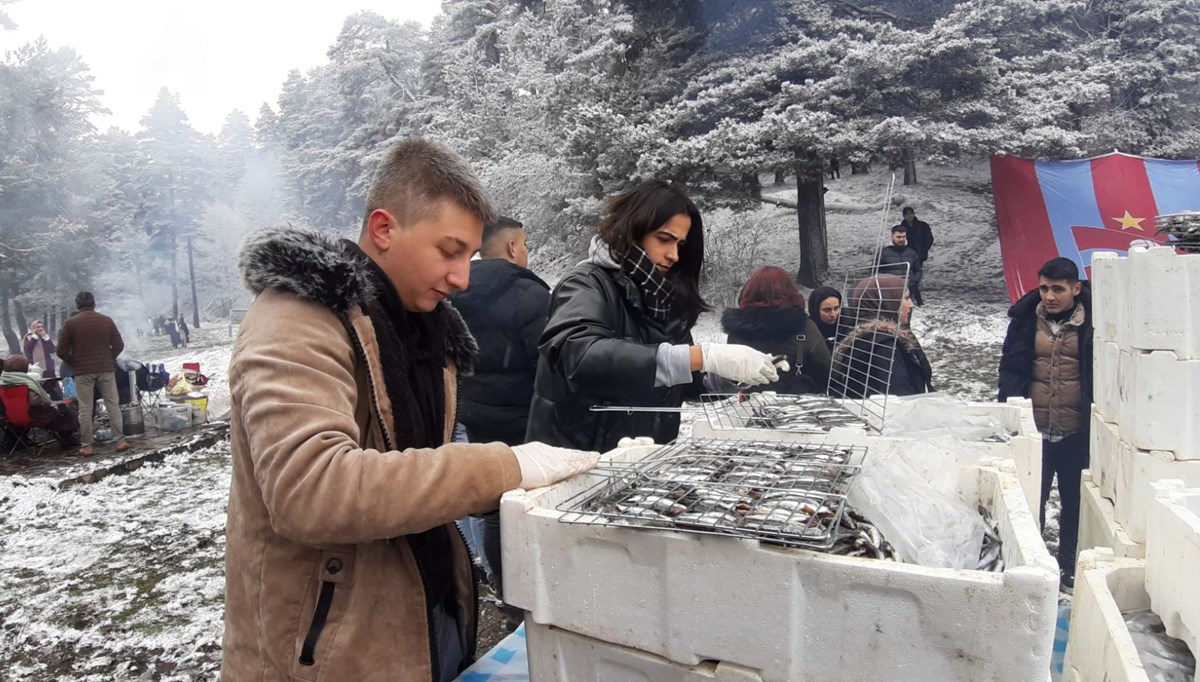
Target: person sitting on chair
44 412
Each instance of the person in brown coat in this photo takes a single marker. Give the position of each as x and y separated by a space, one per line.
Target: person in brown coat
90 343
342 560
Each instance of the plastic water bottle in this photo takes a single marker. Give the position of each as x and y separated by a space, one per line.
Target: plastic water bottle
104 435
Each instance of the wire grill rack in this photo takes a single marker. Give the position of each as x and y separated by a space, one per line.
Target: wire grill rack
777 412
790 494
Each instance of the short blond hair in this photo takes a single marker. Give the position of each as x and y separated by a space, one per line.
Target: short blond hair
417 176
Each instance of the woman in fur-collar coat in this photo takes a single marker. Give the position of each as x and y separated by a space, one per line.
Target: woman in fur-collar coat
880 354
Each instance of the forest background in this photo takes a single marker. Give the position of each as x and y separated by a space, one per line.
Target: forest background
561 103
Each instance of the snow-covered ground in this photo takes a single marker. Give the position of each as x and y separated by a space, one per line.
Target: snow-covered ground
123 579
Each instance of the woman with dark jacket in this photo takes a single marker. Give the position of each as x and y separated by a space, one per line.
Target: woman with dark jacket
770 317
824 309
879 354
619 330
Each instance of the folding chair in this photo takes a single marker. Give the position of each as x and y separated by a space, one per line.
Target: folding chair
151 381
19 427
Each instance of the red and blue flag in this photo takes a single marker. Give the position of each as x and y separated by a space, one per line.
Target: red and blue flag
1075 208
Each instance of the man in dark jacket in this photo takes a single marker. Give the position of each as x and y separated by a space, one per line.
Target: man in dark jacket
894 258
920 239
1047 358
90 343
505 308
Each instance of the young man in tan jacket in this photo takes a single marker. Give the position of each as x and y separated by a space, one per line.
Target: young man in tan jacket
342 561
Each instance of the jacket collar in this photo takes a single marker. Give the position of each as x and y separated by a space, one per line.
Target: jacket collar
1026 307
318 267
758 322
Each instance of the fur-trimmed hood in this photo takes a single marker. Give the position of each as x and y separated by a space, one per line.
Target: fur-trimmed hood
325 270
882 327
758 323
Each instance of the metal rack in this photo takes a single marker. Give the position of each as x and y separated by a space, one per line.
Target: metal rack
790 494
777 412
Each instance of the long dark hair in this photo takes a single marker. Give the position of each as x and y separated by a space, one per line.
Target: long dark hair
640 210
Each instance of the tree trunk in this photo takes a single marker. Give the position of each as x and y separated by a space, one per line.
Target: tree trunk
174 276
910 168
22 323
192 276
14 341
859 168
780 177
810 216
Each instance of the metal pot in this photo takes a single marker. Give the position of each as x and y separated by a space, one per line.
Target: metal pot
133 420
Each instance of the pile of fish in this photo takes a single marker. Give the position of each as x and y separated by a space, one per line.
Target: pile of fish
1164 658
857 536
786 493
798 413
990 553
1184 227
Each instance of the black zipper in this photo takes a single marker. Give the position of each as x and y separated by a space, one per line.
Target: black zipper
320 615
472 632
435 664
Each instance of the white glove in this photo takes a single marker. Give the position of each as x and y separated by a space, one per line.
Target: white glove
737 363
543 464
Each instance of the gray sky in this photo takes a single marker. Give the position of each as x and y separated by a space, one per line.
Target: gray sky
216 55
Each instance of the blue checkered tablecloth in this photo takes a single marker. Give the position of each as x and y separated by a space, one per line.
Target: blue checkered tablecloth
1061 631
506 662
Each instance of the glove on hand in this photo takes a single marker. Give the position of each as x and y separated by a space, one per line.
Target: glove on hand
543 464
737 363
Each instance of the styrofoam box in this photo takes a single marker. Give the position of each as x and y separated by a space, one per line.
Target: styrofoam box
556 655
1106 395
1173 560
1100 646
1105 448
1136 470
1016 416
1098 526
788 615
1159 402
1166 319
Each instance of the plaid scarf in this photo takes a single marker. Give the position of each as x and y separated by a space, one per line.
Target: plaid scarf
658 295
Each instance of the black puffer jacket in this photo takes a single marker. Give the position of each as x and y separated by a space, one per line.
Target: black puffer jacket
600 349
505 308
783 331
871 351
1018 355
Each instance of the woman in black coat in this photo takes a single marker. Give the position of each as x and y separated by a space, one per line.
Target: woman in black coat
619 330
824 309
770 317
879 354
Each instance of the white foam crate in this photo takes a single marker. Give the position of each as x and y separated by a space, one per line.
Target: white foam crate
1173 560
1016 416
1106 358
1132 493
1098 527
802 616
1100 646
1148 301
1107 294
1159 402
1105 449
556 655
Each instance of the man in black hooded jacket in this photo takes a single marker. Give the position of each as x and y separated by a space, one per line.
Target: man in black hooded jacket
505 308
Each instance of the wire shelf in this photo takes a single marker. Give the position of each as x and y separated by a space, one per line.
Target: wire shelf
790 494
777 412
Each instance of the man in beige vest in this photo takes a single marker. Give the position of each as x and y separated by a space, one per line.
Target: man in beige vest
1047 358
